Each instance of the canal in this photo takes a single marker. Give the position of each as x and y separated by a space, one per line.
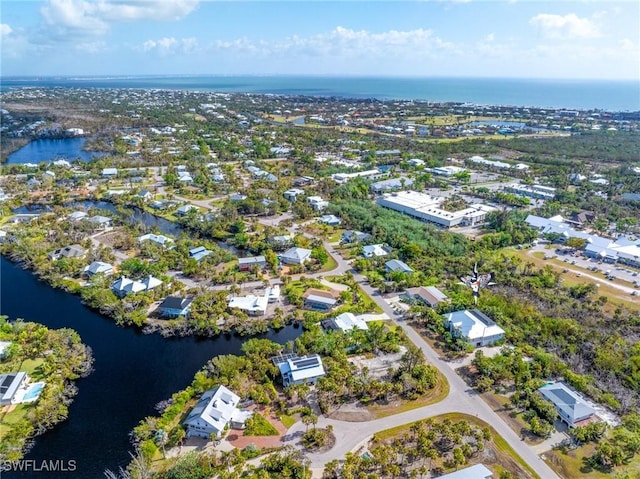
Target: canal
133 372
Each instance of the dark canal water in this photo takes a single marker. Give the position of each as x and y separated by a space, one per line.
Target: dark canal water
133 372
69 149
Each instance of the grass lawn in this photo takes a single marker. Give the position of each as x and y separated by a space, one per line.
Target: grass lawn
570 465
330 265
10 418
288 421
437 394
503 450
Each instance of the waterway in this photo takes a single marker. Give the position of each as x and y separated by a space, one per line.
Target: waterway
49 150
133 372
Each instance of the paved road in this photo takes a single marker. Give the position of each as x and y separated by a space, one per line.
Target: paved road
461 398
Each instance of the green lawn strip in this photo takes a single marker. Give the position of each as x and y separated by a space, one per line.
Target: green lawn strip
437 394
501 445
329 265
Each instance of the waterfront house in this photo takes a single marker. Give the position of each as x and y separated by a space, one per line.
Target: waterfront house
77 215
474 327
124 285
72 251
571 407
184 209
100 222
251 304
174 306
9 385
295 256
145 195
98 267
299 369
216 410
245 264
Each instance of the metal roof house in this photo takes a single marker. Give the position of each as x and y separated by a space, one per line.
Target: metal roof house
9 385
252 305
245 264
98 267
301 369
345 322
429 295
160 240
477 471
569 404
295 256
375 250
72 251
216 409
124 285
474 326
199 253
397 265
174 306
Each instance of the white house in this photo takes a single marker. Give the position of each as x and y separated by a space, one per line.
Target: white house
124 285
374 251
98 267
160 240
295 256
300 369
216 410
477 471
293 193
346 322
567 402
109 172
252 305
474 326
317 203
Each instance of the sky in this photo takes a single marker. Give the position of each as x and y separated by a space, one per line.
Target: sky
587 39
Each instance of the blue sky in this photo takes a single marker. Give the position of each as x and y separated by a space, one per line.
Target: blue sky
587 39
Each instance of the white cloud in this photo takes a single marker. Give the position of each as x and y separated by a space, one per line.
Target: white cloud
70 19
565 26
5 29
170 46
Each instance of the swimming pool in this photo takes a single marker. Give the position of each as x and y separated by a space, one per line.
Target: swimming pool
33 392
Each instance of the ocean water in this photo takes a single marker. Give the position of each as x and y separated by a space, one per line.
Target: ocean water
571 94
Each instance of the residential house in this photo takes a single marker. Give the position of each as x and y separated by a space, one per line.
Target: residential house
330 220
4 347
429 295
317 203
199 253
474 327
245 264
72 251
184 209
345 322
9 385
78 215
319 299
238 197
216 410
295 256
390 185
174 306
251 305
395 265
3 236
375 251
293 193
100 222
109 172
351 236
282 242
124 285
98 267
477 471
273 293
161 240
299 369
145 195
571 407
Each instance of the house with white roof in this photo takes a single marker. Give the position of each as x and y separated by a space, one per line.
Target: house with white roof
293 194
300 369
395 265
216 410
345 322
199 253
251 305
124 285
295 256
317 203
331 220
477 471
110 172
474 327
160 240
98 267
571 407
375 251
9 385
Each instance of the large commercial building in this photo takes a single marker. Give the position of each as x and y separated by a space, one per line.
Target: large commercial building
427 208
